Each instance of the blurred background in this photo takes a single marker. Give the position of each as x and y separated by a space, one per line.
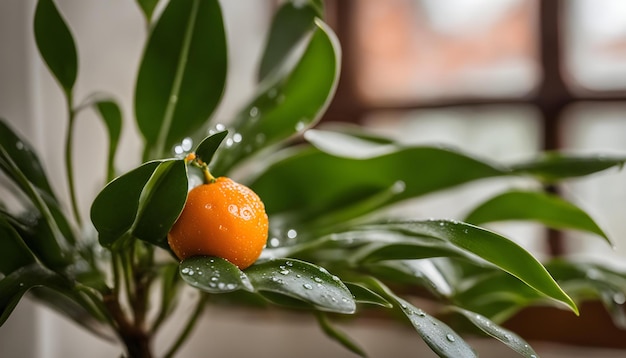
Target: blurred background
500 79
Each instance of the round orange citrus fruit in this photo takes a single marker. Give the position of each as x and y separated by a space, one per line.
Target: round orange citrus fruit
224 219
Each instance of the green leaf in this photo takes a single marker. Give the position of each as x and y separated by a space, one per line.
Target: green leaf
491 247
147 202
15 285
207 148
547 209
182 73
363 294
302 281
147 8
554 166
504 335
427 273
112 116
495 294
290 104
24 157
122 194
13 251
56 44
52 239
333 333
161 202
314 183
289 26
213 275
437 335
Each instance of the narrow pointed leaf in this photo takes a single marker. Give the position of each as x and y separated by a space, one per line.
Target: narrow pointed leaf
15 285
437 335
207 148
304 282
339 336
363 294
504 335
553 166
122 195
147 8
24 156
289 105
56 44
289 25
491 247
314 182
547 209
111 115
182 73
161 202
13 251
213 275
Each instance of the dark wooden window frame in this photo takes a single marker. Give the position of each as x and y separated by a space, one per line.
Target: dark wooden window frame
551 98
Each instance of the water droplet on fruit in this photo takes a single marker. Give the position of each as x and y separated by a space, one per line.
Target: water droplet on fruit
307 286
450 337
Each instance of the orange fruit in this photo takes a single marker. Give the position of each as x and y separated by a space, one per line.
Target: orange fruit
224 219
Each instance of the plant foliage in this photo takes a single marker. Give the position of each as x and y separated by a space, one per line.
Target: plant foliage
327 252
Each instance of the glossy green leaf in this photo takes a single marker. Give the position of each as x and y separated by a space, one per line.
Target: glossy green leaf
182 73
13 251
56 44
339 336
112 116
363 294
591 280
15 285
290 104
495 294
314 183
554 166
161 202
302 281
207 148
437 335
545 208
122 194
52 239
147 8
289 26
36 232
514 341
213 275
491 247
24 156
426 273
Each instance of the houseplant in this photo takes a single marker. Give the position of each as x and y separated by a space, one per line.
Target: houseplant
329 251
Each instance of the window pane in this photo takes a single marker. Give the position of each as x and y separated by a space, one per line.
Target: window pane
503 134
599 128
411 50
596 43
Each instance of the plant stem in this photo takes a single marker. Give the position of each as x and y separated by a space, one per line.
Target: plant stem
69 167
193 319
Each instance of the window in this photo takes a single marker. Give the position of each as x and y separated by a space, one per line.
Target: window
503 79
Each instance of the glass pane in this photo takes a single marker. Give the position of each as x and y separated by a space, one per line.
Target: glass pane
595 43
504 134
597 128
421 50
